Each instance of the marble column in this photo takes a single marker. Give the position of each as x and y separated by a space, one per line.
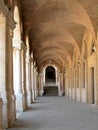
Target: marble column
28 79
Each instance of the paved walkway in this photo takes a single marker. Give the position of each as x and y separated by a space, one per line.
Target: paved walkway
58 113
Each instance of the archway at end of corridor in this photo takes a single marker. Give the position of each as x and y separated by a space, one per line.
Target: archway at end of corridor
50 81
50 76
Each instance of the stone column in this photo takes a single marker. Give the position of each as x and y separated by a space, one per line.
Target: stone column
40 76
61 84
18 77
28 79
1 118
6 83
81 79
86 81
23 55
96 78
10 77
35 81
32 85
71 83
4 72
66 89
75 84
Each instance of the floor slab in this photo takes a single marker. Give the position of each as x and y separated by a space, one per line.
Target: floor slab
57 113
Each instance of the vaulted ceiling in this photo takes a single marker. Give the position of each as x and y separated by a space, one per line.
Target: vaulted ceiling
56 27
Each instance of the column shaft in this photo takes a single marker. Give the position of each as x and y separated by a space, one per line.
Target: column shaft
28 80
1 116
40 84
17 73
5 73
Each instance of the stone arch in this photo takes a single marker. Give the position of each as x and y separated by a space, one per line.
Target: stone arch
44 65
51 55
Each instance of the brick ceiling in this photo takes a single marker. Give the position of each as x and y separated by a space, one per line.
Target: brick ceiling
56 27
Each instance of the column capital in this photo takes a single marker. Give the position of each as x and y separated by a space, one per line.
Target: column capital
18 45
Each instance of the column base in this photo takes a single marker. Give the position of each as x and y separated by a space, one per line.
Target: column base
19 103
1 120
29 98
5 114
40 93
35 94
60 93
13 108
25 104
32 95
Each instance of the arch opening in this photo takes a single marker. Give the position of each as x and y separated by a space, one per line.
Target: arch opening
50 77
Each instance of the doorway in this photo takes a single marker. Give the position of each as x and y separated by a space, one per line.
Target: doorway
50 88
50 76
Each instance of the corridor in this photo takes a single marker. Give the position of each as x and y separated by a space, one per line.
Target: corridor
57 113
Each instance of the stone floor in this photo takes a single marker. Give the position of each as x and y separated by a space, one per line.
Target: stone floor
57 113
